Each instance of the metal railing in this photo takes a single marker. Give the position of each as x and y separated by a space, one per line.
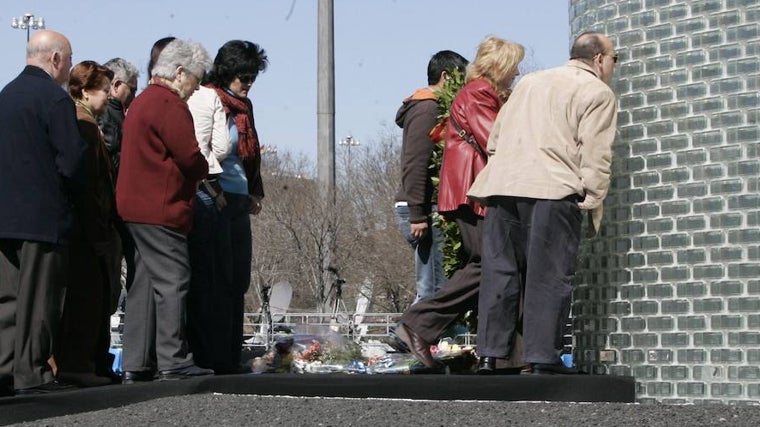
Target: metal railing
357 327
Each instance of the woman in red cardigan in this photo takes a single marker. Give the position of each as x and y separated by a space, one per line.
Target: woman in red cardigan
161 166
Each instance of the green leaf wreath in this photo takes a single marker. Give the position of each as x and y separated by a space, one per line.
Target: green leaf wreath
451 246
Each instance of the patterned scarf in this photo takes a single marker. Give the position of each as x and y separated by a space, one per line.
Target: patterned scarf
241 110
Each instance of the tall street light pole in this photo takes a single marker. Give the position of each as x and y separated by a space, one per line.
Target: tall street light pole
28 22
349 142
326 139
326 99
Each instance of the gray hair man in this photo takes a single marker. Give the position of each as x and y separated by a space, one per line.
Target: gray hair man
123 91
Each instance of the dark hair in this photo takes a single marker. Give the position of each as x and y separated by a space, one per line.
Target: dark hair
158 46
235 58
88 75
445 60
587 45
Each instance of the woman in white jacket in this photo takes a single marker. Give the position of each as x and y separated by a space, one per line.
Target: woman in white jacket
213 137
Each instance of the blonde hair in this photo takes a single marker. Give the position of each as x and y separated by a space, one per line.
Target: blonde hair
495 61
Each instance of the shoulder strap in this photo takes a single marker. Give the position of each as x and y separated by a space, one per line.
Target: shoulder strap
468 138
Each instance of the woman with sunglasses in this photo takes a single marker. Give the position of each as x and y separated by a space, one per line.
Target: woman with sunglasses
222 270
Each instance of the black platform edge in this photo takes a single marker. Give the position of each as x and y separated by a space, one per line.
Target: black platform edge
575 388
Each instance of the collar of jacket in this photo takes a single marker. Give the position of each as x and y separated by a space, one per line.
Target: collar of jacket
116 104
577 63
422 93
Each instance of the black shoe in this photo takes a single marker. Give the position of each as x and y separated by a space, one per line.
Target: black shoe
486 365
6 385
49 387
131 377
184 373
553 369
419 348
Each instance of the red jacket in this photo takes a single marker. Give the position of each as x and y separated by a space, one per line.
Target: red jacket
474 108
161 163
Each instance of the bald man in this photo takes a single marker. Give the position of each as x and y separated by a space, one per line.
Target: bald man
41 157
550 154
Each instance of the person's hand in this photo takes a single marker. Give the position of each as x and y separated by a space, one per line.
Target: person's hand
220 201
255 205
419 230
589 203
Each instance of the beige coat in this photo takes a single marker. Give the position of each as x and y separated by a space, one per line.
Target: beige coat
552 139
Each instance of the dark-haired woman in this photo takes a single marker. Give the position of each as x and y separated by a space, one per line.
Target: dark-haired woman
216 300
81 352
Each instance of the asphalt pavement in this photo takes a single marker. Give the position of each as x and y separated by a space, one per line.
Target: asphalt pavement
244 410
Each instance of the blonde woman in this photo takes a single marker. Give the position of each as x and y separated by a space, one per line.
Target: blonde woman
487 85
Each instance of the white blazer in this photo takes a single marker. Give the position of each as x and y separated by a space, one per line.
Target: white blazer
211 129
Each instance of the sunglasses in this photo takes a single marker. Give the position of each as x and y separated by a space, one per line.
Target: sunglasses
614 56
246 78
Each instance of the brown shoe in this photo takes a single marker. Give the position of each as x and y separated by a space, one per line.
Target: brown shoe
420 349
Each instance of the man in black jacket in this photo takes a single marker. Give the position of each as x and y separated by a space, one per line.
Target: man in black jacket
123 91
41 165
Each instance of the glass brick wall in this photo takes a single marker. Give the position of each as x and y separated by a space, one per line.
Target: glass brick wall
670 291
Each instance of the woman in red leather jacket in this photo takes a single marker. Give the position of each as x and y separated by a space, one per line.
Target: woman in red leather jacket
472 114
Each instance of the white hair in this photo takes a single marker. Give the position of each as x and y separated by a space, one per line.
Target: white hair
122 70
190 55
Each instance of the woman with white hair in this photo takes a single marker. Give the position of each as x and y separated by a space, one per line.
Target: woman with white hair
161 166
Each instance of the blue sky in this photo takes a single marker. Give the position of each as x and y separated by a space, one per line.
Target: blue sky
381 48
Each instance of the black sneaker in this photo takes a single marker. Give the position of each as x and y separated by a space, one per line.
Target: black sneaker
49 387
184 373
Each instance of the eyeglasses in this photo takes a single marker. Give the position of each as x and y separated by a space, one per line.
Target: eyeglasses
246 78
614 57
133 89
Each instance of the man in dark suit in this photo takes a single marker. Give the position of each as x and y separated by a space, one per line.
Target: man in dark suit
41 162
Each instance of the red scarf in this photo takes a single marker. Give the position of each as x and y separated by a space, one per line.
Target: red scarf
241 111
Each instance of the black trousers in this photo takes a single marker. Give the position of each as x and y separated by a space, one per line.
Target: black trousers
538 239
32 277
84 335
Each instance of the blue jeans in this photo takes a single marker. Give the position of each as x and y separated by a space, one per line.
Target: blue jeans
428 259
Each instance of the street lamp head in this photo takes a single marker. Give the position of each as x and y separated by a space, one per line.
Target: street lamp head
349 141
27 22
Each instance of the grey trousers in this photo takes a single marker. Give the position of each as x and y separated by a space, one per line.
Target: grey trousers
154 321
32 278
538 239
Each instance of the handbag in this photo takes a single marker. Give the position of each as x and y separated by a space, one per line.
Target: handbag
468 138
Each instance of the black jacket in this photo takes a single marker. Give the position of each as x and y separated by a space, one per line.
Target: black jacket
110 123
41 159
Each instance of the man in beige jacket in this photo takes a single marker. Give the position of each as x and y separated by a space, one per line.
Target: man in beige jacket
550 159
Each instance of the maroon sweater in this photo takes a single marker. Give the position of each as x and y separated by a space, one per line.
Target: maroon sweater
161 163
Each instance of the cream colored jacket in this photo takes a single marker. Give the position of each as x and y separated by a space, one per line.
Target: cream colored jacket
552 139
211 128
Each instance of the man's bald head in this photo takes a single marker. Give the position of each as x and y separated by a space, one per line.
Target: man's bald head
50 51
588 45
596 50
